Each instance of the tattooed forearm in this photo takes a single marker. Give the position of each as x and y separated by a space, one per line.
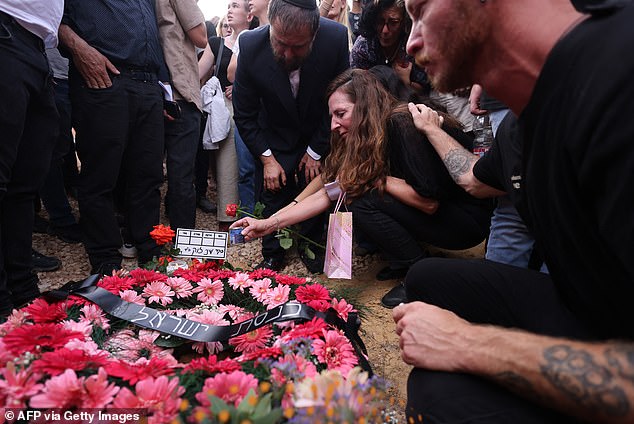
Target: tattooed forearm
518 384
458 162
576 373
621 358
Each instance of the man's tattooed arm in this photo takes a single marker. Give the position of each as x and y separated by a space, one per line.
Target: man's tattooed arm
459 162
594 382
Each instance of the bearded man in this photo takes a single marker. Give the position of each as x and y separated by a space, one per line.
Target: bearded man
279 107
495 343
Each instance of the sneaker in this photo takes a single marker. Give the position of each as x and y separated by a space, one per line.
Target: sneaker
128 251
43 263
68 233
206 205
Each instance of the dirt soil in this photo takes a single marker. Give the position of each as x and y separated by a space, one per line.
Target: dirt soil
377 328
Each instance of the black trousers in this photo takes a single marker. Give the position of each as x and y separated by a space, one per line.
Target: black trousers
28 130
119 128
486 292
398 229
295 183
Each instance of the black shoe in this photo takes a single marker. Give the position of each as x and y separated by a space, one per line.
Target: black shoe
314 266
274 264
68 233
43 263
395 296
40 225
106 269
206 205
388 273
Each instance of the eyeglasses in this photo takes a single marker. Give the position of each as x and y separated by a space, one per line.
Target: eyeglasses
392 24
225 26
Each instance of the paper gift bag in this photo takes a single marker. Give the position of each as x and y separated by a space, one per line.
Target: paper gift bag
338 262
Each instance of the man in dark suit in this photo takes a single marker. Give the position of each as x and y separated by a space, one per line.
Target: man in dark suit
279 108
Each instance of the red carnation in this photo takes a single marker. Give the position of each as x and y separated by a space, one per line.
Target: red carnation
56 362
231 209
40 311
37 337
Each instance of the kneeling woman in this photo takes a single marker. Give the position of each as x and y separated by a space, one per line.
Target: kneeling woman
396 186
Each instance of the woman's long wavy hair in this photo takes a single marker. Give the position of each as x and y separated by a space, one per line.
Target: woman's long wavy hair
359 162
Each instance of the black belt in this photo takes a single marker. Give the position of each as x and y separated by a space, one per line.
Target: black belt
137 73
11 26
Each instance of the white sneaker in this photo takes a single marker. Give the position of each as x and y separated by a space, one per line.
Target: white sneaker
128 251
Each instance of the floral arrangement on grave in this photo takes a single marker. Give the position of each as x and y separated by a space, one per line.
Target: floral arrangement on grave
70 355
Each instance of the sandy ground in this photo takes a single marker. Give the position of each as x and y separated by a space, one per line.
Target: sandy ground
364 290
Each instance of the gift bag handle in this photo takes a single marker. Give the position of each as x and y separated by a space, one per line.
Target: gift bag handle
340 201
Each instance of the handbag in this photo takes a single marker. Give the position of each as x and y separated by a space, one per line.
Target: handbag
338 261
219 120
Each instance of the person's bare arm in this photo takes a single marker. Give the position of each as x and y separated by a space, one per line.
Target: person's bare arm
91 64
205 65
198 35
458 160
311 206
592 381
405 193
231 68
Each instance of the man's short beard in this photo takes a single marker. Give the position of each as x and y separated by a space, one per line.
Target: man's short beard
289 67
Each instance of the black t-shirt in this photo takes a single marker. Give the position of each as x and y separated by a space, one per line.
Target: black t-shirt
579 170
414 159
500 167
214 43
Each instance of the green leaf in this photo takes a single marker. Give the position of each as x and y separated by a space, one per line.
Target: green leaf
218 405
309 253
286 243
274 417
263 407
245 406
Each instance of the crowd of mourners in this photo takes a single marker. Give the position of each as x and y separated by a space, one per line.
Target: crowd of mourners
298 104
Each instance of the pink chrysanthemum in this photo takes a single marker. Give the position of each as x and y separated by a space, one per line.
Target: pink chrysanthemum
114 284
312 329
260 288
129 346
253 340
240 281
210 292
143 368
40 311
66 391
230 387
84 327
259 273
160 396
233 311
16 388
182 287
34 338
96 316
143 276
158 292
289 280
212 365
17 318
212 318
56 362
335 351
277 296
293 367
315 295
132 297
342 308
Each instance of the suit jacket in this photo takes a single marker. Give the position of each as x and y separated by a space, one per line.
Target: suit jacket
265 112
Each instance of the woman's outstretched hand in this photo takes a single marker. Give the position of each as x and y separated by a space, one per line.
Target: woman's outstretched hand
254 228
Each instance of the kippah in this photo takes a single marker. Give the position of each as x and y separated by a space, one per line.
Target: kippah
304 4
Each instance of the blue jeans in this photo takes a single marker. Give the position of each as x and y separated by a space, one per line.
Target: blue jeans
246 174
